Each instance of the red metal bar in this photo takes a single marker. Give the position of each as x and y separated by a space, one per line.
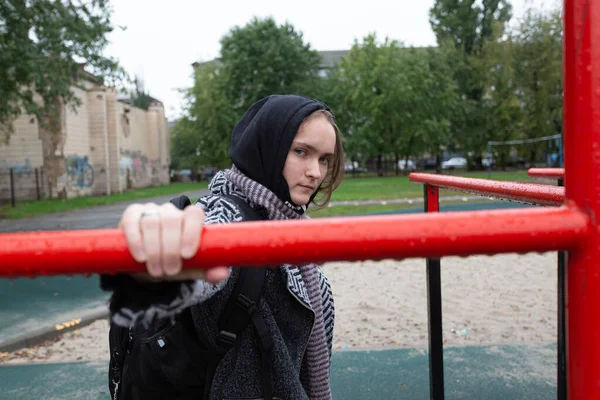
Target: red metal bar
529 193
297 242
581 82
547 172
432 199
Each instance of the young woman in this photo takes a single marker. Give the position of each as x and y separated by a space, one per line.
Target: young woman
287 155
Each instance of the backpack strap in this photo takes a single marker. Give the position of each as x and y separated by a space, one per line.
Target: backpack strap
181 202
242 307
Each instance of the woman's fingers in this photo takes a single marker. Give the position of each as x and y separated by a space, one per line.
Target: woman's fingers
161 236
193 220
130 225
150 221
170 239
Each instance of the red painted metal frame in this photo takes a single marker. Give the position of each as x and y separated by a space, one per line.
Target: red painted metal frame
557 173
522 192
434 235
433 199
296 242
581 82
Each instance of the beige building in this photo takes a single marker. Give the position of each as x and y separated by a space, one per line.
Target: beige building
105 146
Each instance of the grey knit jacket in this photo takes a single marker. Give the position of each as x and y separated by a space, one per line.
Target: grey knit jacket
284 306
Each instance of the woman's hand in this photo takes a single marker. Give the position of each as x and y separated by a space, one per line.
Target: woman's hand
161 236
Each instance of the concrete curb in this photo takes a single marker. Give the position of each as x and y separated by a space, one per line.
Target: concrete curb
38 336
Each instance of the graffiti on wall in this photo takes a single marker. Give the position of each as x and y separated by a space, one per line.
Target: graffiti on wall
19 168
155 165
79 172
134 163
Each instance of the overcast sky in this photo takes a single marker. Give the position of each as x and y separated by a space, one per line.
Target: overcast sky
163 38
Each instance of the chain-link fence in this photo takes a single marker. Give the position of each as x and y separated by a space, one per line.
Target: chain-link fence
17 184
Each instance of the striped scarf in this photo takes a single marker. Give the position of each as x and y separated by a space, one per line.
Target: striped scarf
314 373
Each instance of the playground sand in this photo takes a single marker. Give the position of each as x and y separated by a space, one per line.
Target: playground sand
504 299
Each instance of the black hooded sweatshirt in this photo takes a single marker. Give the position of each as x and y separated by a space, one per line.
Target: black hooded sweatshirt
263 137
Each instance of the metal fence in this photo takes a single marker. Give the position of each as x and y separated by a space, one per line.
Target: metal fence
19 185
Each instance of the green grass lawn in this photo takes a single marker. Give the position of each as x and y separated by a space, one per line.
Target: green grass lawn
364 188
395 187
35 207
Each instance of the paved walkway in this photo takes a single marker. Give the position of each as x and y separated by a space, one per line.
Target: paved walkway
86 218
523 372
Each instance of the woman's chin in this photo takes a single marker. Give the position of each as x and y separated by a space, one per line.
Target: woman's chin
300 200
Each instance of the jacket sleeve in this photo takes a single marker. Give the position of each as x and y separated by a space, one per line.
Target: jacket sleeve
328 309
134 301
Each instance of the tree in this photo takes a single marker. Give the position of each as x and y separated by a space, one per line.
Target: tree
43 45
257 60
498 110
368 86
263 58
469 25
203 136
441 101
333 93
538 72
395 101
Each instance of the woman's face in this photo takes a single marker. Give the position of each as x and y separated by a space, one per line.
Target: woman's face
307 161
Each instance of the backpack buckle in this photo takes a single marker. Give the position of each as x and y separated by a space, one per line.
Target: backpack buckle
226 338
246 304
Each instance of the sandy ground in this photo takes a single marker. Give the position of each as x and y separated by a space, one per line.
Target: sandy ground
506 299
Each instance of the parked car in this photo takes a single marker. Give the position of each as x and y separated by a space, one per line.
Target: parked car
427 164
208 174
184 175
348 168
488 161
402 165
455 162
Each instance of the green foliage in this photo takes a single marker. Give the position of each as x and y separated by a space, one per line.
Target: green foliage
43 46
141 98
393 100
468 23
263 58
482 82
498 112
442 102
257 60
537 63
202 137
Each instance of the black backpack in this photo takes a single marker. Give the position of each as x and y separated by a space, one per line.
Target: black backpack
187 368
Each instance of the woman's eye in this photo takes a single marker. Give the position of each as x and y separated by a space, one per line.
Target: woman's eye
325 161
300 152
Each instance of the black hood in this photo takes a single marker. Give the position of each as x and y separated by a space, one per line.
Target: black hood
263 137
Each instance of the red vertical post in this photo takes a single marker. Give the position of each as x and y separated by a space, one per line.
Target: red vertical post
434 309
581 82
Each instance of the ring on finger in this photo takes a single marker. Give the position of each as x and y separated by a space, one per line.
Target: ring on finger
149 212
